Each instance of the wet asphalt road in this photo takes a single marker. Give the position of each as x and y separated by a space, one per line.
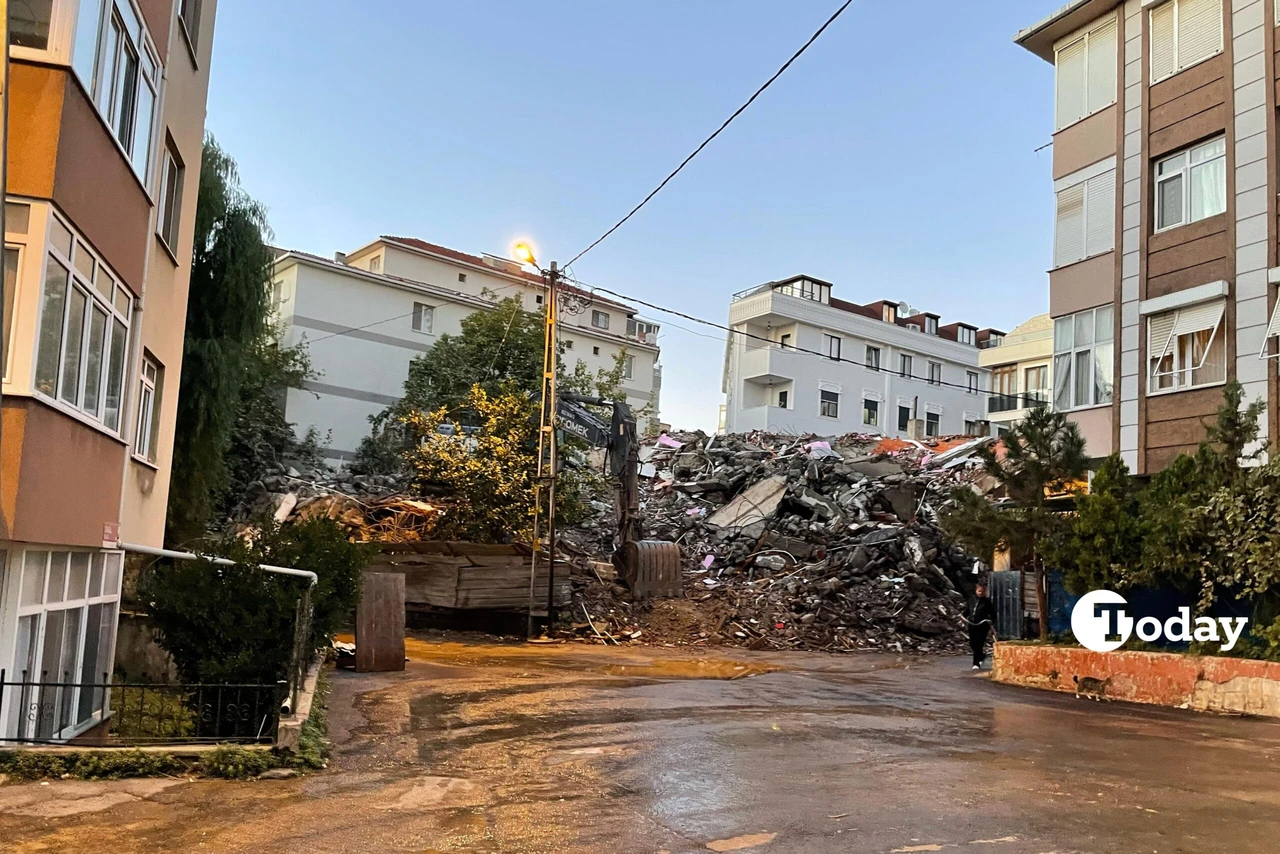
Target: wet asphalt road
582 749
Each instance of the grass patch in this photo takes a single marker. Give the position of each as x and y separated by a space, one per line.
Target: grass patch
228 762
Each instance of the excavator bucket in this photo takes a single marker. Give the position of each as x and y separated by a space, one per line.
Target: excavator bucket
651 568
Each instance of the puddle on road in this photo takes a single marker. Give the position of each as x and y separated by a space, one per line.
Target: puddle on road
626 663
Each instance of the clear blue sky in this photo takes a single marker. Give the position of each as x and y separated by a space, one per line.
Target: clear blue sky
895 158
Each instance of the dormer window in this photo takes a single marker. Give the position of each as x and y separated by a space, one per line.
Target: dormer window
967 336
890 313
931 325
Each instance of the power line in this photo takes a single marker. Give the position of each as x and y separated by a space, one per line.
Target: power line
813 38
791 348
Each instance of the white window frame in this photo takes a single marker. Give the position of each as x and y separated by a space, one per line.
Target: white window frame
1179 65
629 367
902 428
169 201
833 344
599 319
1085 39
936 424
62 22
873 357
824 404
868 403
110 573
972 377
421 310
150 391
965 335
935 373
784 398
1065 347
17 241
905 366
150 75
118 309
930 325
1185 172
1211 316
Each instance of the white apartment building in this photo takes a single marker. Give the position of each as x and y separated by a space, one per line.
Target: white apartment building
366 315
1021 366
812 363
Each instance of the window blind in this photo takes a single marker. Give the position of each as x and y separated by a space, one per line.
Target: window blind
1072 86
1069 241
1100 214
1164 51
1199 30
1101 84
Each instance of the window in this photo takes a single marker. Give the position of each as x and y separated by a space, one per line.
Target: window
782 399
1004 389
84 326
806 289
595 351
117 64
971 427
873 358
568 345
537 299
170 211
600 319
1086 219
1185 348
1192 185
832 346
829 404
935 373
1183 33
1086 68
871 412
932 421
931 325
1036 387
150 388
11 257
189 15
995 340
375 264
904 365
1082 359
29 23
423 317
629 367
784 341
973 381
967 335
904 418
462 277
66 613
889 313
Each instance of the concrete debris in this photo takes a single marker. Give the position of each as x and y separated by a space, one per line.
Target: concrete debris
373 509
795 542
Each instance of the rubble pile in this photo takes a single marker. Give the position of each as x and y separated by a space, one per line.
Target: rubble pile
372 508
795 543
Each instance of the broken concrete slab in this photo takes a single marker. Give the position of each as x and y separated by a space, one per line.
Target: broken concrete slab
757 503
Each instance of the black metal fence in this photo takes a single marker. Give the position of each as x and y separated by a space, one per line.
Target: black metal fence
51 711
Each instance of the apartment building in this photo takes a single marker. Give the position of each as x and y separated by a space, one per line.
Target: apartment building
367 314
106 127
803 361
1164 171
1021 366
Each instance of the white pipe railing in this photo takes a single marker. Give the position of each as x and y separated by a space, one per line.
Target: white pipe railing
218 561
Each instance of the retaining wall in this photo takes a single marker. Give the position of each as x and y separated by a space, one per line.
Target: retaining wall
1203 683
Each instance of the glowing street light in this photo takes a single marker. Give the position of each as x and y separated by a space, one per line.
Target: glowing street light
524 253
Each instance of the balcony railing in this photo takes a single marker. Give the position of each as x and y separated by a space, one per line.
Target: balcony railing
1010 402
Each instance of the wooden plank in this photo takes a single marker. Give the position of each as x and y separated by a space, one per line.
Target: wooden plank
380 623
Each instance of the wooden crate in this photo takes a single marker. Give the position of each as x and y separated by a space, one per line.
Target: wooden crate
470 575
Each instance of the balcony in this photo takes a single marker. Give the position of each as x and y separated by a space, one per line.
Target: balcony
1012 402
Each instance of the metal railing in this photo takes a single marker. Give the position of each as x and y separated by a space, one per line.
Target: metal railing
1010 402
49 711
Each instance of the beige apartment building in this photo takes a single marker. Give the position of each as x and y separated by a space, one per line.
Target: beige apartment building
365 315
106 127
1164 171
1021 366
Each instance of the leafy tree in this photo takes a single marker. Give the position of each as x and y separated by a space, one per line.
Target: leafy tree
1043 454
236 624
487 472
262 439
1102 544
226 315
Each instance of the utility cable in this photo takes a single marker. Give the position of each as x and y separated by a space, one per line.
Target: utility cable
813 38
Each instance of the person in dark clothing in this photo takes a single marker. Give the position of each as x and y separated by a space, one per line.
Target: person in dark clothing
981 617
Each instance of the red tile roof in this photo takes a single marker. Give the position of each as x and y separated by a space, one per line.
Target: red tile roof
476 260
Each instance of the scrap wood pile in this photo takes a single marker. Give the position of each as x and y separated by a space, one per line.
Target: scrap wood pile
793 543
373 509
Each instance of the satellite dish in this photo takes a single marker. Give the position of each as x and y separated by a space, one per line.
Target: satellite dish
905 309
